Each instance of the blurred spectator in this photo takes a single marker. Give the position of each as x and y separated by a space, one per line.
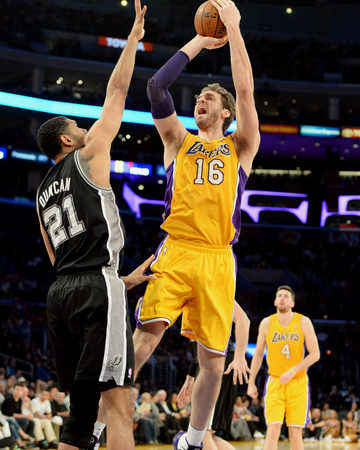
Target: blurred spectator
314 431
349 428
332 426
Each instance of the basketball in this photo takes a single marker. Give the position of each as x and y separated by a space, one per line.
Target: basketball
207 21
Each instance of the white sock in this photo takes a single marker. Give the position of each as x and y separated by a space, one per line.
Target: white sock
194 437
98 428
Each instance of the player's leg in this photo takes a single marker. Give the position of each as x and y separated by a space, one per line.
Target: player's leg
208 441
84 400
295 436
272 436
275 406
297 409
146 339
221 444
119 408
207 387
163 300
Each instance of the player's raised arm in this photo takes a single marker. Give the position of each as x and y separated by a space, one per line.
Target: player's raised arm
246 136
100 136
171 130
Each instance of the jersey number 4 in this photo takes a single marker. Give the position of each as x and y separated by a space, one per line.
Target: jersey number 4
286 351
215 176
54 222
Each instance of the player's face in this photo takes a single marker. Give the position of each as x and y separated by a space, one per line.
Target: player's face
284 301
208 109
76 133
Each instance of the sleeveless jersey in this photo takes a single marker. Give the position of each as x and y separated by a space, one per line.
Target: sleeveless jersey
81 219
285 346
205 183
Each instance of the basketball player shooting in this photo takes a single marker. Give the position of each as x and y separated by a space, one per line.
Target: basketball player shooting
87 307
285 334
206 175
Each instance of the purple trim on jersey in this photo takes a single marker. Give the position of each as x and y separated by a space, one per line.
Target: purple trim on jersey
267 379
265 385
236 267
308 417
137 312
158 250
169 188
236 218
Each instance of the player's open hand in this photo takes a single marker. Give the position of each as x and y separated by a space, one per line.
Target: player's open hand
228 12
138 27
138 275
240 368
184 395
211 43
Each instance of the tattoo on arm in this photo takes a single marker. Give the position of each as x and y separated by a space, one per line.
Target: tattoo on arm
85 164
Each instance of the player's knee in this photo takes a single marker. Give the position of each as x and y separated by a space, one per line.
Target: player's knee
212 373
295 433
118 401
84 402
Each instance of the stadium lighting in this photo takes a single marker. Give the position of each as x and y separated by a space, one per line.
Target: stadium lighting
80 110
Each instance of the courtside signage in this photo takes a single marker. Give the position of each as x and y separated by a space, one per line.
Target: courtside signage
112 42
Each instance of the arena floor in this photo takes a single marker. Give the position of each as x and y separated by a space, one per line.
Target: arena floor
258 445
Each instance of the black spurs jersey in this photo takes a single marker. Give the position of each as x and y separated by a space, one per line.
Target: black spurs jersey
81 219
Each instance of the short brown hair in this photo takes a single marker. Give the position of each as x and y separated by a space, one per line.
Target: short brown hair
227 99
48 136
287 288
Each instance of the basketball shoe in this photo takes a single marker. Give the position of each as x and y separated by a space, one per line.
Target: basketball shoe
180 442
94 443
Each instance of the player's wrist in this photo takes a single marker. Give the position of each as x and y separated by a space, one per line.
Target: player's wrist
292 371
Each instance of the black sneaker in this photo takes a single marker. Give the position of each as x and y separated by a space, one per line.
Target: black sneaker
94 443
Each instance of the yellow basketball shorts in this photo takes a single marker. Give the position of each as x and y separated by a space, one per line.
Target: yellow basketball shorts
292 399
197 281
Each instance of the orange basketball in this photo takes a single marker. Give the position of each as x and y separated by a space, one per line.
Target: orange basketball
207 21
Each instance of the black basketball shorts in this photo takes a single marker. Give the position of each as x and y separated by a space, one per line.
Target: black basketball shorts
89 329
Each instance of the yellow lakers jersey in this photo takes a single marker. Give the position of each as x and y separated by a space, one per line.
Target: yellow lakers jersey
205 183
285 346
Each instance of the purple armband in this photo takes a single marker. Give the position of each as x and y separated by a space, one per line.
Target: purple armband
162 104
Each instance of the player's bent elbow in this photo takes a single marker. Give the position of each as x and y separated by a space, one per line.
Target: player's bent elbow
316 356
155 91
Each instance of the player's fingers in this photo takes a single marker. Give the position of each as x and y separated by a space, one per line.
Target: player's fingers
147 263
137 5
221 42
215 4
148 277
143 11
249 371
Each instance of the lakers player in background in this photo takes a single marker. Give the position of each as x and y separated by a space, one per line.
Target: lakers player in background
286 335
195 267
87 307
